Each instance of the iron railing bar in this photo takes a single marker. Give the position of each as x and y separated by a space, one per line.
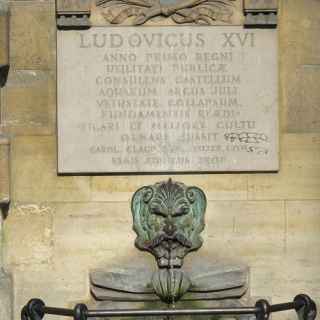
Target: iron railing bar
58 311
171 312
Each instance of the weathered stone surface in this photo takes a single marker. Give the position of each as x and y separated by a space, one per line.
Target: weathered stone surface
108 122
34 173
260 4
209 281
304 110
33 224
303 218
207 276
217 187
6 296
300 32
4 172
299 46
32 35
29 103
281 278
299 175
95 234
101 294
247 230
55 287
80 6
125 278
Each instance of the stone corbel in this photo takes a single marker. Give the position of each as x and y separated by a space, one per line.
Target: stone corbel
260 13
4 42
4 174
73 14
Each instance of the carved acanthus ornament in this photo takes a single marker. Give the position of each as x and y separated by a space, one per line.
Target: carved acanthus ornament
205 12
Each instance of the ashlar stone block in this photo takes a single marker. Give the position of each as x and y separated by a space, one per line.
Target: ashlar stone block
299 175
6 295
303 241
217 187
54 287
28 233
34 173
32 35
28 101
248 230
304 111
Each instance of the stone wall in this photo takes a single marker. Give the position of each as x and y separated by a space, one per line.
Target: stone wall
59 227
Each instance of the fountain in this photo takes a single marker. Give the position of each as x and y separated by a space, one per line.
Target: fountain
168 218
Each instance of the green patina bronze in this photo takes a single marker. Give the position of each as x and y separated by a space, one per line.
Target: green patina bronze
168 218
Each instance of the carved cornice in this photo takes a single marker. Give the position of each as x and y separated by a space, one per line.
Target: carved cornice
73 13
260 13
74 20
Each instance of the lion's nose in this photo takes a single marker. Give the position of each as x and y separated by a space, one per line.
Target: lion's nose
169 228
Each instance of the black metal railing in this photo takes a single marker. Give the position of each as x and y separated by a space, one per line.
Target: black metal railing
305 307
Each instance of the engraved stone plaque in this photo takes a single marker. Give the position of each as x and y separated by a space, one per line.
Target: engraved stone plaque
167 99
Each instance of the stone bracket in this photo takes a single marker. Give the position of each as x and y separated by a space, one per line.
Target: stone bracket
73 20
73 14
4 42
4 174
260 13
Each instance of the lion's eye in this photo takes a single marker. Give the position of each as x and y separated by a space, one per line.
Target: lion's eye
181 211
157 210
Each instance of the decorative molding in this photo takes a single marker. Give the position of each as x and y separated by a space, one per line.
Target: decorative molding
73 20
261 19
73 14
138 12
261 13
